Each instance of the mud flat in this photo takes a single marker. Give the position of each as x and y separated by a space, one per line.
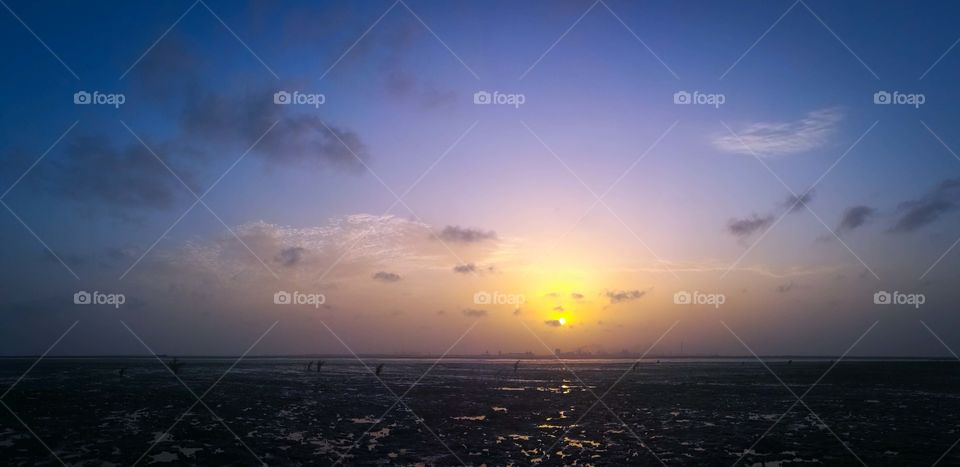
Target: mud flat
481 412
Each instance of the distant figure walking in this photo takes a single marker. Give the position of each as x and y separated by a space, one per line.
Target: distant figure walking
516 366
175 365
789 362
636 366
379 369
320 365
310 365
122 371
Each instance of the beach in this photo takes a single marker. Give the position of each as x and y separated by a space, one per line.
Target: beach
478 412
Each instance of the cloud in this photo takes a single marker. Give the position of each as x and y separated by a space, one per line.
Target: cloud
129 176
855 217
212 127
796 203
290 256
384 276
474 313
472 268
576 296
776 139
343 254
745 227
452 233
356 244
929 208
558 308
403 84
553 323
620 296
297 138
785 287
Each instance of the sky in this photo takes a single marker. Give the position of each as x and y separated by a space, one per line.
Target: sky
472 177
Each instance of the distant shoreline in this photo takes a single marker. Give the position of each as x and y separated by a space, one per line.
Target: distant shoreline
505 357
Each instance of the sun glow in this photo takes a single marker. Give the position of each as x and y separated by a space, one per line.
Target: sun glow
562 321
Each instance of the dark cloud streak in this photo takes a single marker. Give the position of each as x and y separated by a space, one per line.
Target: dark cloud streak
457 234
384 276
929 208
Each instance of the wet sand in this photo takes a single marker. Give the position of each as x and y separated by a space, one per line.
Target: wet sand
677 412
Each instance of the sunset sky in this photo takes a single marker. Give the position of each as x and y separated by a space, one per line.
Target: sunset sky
400 199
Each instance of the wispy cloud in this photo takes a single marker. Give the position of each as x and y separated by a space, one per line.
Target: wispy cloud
357 245
796 203
929 208
855 217
472 268
714 265
745 227
777 139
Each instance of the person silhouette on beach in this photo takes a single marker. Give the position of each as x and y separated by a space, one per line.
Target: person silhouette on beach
379 369
320 365
516 366
636 366
122 371
310 365
175 365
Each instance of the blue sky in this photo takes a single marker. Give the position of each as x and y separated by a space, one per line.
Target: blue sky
697 204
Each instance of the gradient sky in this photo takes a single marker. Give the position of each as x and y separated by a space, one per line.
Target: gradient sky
695 198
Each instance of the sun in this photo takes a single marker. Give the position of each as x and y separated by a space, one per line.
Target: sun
562 321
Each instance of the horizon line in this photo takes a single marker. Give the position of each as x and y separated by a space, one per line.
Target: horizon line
505 356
